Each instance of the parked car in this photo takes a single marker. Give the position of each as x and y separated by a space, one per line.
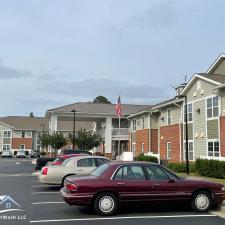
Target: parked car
115 183
41 162
6 154
34 154
78 165
21 154
60 159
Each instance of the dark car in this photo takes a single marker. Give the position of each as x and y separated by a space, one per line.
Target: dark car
34 154
114 183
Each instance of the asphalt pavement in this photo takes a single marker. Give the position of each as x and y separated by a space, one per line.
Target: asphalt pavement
42 204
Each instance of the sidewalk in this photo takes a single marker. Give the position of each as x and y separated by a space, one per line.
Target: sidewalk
220 211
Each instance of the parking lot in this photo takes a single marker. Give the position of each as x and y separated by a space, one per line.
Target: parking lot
42 204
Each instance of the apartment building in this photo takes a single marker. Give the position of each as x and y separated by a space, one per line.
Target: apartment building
18 132
161 128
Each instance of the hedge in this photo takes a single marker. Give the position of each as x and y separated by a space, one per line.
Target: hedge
143 157
210 168
181 167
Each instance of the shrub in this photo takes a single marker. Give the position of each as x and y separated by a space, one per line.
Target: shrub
143 157
210 168
181 167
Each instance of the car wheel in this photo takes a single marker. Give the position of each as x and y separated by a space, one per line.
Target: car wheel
106 204
201 201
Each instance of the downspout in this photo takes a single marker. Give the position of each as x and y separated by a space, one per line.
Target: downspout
181 136
130 136
149 134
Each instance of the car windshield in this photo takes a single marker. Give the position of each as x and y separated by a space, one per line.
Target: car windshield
100 170
59 159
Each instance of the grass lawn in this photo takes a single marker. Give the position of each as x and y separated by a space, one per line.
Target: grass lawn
195 175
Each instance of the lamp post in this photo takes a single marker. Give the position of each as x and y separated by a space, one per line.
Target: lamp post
186 131
74 126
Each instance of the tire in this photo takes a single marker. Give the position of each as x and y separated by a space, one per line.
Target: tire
106 204
201 201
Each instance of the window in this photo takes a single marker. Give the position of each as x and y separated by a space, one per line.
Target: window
6 147
90 162
155 173
22 147
7 134
23 134
168 150
190 150
101 161
134 125
212 107
130 173
38 145
142 147
189 112
213 148
143 122
169 117
100 170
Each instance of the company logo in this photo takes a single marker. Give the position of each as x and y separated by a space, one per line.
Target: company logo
8 204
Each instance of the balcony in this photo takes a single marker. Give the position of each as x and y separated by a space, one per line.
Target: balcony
120 131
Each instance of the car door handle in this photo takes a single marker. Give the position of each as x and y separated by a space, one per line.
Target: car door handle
80 170
156 185
120 183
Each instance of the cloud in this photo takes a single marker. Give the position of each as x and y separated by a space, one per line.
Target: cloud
7 72
89 89
158 16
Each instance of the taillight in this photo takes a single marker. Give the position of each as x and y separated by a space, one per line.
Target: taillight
71 187
45 171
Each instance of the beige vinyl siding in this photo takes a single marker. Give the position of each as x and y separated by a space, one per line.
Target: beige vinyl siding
212 129
139 122
220 69
2 140
133 137
222 94
176 115
6 141
199 121
155 120
190 131
205 86
18 134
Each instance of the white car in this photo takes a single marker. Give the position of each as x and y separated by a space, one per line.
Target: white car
6 154
79 165
21 154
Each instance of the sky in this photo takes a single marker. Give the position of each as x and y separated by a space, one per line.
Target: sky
57 52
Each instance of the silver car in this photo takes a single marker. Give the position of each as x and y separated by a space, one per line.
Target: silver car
79 165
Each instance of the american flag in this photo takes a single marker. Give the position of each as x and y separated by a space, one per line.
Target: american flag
118 107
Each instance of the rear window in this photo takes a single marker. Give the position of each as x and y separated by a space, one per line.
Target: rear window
59 159
100 170
65 161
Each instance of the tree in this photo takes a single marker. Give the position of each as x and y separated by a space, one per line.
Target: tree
45 139
31 114
57 141
85 140
101 99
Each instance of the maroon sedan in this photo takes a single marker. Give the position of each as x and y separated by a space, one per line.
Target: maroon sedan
114 183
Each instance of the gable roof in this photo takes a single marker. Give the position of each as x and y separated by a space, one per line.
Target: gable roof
99 108
24 122
216 63
216 77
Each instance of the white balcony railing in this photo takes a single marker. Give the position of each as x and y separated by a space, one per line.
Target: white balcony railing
120 131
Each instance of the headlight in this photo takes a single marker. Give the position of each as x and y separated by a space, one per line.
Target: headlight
223 188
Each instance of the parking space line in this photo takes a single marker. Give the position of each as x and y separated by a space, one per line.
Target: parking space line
42 203
120 218
45 192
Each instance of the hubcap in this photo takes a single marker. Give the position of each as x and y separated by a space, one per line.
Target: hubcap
202 201
106 204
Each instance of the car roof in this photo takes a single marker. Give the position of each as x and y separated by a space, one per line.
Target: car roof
89 156
132 163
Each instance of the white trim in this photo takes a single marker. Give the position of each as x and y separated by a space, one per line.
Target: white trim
7 131
215 63
200 99
194 77
168 103
7 125
213 140
184 155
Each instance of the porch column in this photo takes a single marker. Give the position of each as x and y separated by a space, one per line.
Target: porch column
53 123
108 136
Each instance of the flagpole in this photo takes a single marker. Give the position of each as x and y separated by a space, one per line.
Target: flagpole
119 139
